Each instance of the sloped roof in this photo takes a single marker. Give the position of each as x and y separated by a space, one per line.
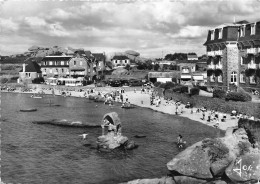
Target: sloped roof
77 68
84 53
242 22
120 57
99 56
56 58
32 67
186 61
192 56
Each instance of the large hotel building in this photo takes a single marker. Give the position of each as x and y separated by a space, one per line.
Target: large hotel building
233 52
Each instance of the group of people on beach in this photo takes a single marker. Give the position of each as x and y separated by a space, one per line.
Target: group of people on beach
235 114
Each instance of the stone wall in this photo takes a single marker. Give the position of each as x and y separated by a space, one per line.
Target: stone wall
232 62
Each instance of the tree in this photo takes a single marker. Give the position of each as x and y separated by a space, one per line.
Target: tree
141 66
127 67
165 67
176 56
156 67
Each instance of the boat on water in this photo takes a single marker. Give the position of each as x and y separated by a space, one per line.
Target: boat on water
36 96
28 110
127 106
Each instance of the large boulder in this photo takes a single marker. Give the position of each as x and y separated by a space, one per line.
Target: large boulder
130 145
194 162
210 158
218 167
163 180
245 168
188 180
110 141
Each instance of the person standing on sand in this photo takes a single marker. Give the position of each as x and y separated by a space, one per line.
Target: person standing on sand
121 97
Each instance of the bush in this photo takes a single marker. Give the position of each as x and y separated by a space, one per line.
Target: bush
169 85
252 129
4 80
180 89
194 91
219 93
38 80
156 84
243 147
217 150
237 96
204 88
162 85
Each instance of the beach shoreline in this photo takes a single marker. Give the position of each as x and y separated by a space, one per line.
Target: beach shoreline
141 100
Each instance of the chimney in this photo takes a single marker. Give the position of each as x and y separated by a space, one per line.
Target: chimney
23 67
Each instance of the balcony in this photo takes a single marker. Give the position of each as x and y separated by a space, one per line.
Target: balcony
251 51
252 66
219 66
211 53
211 67
219 52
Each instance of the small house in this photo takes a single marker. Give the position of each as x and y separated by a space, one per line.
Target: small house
29 72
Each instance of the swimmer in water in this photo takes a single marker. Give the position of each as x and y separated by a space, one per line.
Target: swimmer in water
84 136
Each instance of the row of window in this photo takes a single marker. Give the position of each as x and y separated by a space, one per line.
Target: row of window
55 63
243 30
244 61
233 79
220 33
56 70
121 61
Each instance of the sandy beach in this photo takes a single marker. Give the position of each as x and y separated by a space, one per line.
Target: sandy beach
143 100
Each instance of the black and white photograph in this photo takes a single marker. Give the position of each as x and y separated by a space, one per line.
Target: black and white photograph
130 91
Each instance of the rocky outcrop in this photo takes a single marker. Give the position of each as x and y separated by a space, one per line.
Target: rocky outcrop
190 161
67 123
110 141
212 159
114 139
245 168
230 159
163 180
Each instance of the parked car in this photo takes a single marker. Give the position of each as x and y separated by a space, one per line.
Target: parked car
125 82
135 83
115 83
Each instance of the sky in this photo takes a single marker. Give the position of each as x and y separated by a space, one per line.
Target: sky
151 27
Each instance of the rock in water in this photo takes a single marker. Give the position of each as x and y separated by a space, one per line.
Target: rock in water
110 141
130 145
